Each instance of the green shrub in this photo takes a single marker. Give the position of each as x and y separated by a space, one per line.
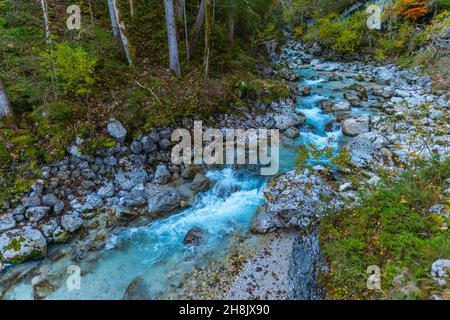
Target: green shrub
393 229
347 42
74 68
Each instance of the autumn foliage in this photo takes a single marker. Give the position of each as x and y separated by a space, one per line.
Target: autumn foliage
413 9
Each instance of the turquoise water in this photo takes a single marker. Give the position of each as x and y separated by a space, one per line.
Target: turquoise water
155 252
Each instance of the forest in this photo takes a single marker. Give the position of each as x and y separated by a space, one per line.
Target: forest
91 90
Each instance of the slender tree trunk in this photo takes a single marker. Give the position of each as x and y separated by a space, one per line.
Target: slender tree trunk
207 33
119 30
198 27
186 36
172 37
213 13
179 4
131 9
231 21
46 23
91 11
5 108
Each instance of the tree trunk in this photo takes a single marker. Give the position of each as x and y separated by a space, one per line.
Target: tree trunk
172 37
46 23
207 33
131 9
231 21
119 30
5 108
91 12
186 36
179 5
198 27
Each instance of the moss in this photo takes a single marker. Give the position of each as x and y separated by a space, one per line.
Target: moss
260 90
15 244
97 143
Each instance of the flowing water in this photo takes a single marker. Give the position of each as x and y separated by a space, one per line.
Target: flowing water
155 253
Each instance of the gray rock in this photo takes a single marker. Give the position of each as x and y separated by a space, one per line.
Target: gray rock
127 180
162 174
107 190
440 271
424 81
20 245
31 202
296 198
7 222
439 209
384 75
194 237
75 151
35 214
292 133
200 183
148 144
165 134
356 126
165 144
263 222
49 200
137 290
110 161
286 120
342 106
373 181
94 201
365 150
117 130
71 222
19 210
48 228
136 147
345 187
164 200
305 91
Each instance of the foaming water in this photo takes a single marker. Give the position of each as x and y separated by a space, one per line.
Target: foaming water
317 119
154 255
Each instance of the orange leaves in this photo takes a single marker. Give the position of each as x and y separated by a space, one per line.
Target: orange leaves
413 9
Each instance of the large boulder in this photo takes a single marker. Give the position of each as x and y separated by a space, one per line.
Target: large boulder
163 200
20 245
295 199
286 120
355 126
365 150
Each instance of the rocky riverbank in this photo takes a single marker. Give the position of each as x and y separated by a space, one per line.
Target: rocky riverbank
406 121
388 117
